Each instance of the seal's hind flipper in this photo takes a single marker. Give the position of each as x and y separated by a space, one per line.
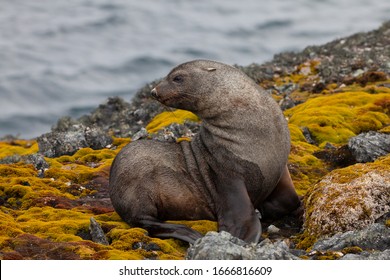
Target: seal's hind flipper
160 229
283 199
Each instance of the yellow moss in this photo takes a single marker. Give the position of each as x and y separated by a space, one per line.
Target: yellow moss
111 220
20 186
114 254
17 170
123 239
88 155
19 147
8 226
305 168
73 173
305 241
329 255
352 250
166 118
276 97
111 216
296 133
375 87
86 252
54 224
385 130
302 96
178 140
80 167
338 117
120 142
171 249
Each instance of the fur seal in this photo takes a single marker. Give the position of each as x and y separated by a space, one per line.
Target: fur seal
234 165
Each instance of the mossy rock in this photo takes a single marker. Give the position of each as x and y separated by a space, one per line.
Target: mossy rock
336 118
348 199
305 168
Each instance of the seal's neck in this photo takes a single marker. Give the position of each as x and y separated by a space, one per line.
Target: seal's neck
224 132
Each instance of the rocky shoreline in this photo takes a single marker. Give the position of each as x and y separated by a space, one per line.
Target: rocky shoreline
54 189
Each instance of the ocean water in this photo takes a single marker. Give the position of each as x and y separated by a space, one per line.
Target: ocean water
62 57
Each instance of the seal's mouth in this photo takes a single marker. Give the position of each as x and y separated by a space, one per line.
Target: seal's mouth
154 93
161 98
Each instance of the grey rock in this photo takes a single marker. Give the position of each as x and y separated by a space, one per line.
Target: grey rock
223 246
218 246
339 59
97 138
97 232
174 131
367 147
142 134
308 136
286 103
11 159
37 160
273 229
146 246
115 116
268 250
374 237
385 255
75 137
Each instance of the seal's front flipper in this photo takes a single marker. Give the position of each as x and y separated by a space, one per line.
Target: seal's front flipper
166 230
235 212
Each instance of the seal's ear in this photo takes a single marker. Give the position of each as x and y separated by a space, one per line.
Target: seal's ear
210 69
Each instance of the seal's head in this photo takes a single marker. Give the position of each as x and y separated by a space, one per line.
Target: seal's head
189 85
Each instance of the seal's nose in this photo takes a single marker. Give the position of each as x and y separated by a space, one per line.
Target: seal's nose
154 93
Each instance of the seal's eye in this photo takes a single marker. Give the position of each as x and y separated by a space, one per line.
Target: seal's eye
178 79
